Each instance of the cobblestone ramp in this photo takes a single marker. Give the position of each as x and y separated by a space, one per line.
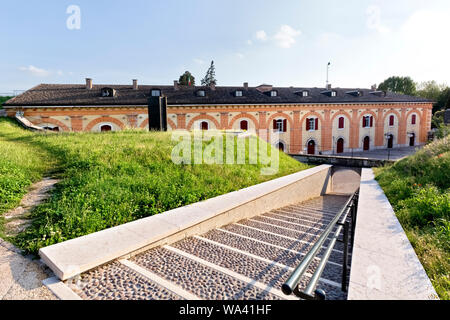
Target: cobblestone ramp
247 260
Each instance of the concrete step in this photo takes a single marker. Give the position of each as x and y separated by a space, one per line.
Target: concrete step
203 281
116 281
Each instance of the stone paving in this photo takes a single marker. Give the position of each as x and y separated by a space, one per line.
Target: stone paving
247 260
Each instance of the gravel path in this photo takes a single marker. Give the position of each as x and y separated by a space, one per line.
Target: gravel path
21 276
17 220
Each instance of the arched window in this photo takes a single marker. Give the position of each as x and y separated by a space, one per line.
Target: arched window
204 125
55 129
311 147
341 122
244 125
105 128
280 146
391 120
340 145
366 144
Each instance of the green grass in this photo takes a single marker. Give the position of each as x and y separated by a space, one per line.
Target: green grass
108 179
418 187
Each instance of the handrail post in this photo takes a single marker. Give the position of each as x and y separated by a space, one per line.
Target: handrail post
345 262
348 212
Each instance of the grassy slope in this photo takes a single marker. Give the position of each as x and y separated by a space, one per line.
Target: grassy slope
109 179
419 189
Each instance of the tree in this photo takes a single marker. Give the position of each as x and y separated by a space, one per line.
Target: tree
430 90
403 85
3 100
210 78
443 101
439 93
187 79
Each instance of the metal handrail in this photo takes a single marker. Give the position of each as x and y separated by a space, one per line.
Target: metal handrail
291 285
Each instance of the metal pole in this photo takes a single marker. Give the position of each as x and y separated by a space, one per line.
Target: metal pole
345 263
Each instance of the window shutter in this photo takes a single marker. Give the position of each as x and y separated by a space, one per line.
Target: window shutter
307 125
284 125
317 123
371 121
274 124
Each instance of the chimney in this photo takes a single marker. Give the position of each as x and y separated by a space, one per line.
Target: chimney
374 87
175 85
135 84
246 85
329 86
213 86
88 83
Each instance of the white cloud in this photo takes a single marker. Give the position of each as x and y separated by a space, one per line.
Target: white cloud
35 71
374 19
249 42
240 55
285 37
261 35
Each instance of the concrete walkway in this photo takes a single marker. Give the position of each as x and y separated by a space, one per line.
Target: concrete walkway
21 277
385 265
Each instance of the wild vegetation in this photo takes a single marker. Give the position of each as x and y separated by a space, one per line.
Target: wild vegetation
418 187
108 179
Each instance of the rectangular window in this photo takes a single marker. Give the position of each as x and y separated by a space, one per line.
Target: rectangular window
341 122
238 93
273 93
278 125
305 93
311 124
367 122
391 121
156 93
413 119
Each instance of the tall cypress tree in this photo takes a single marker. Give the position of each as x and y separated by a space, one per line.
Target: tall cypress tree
210 78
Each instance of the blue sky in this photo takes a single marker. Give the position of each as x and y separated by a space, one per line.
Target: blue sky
284 43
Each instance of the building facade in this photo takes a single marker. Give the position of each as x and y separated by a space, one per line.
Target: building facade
306 120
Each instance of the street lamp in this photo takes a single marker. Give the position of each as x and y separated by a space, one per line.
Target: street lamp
388 136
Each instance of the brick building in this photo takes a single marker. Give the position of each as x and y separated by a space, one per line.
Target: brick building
308 120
